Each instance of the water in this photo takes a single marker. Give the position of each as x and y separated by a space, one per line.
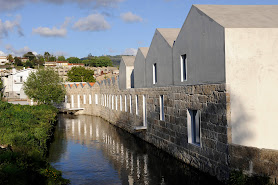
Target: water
89 150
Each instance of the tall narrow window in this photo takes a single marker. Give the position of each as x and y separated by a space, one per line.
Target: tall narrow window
130 103
161 102
78 101
96 99
66 99
84 99
194 127
116 102
136 105
154 73
121 103
90 99
21 79
72 101
112 102
183 68
144 111
125 104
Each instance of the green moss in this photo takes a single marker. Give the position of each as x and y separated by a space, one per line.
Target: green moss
238 178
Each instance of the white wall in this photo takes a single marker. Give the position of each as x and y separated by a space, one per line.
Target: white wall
252 79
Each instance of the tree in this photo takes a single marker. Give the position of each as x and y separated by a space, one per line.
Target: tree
80 74
28 64
52 58
17 61
1 88
61 58
46 56
45 86
10 58
73 60
30 55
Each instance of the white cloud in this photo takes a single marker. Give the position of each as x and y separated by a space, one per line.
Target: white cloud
94 22
18 52
9 26
130 51
7 5
53 32
129 17
2 53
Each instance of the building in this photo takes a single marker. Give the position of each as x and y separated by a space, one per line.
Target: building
3 60
13 83
159 68
139 67
126 72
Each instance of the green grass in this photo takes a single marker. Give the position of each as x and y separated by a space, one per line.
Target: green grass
27 130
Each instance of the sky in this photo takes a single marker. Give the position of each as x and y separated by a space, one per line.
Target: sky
76 28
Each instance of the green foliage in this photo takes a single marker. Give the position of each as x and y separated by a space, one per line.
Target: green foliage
73 60
238 178
29 55
27 129
28 64
61 58
44 86
80 74
1 88
17 61
52 58
10 58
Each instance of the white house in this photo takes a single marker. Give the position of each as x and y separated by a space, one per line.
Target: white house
139 67
126 75
13 83
159 65
3 60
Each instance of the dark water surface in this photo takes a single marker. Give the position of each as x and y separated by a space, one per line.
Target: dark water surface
89 150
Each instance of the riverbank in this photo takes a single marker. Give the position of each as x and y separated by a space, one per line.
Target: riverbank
24 133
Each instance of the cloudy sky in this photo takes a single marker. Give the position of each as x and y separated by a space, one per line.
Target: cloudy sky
100 27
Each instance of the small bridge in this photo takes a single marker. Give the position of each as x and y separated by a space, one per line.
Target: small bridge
70 110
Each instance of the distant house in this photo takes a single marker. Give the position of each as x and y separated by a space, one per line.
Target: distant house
62 63
50 64
126 77
13 83
159 68
139 67
3 60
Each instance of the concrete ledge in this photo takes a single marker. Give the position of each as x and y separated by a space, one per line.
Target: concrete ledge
140 128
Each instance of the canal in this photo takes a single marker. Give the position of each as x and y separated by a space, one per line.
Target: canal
89 150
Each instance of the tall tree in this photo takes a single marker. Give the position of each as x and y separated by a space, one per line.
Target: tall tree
17 61
46 56
30 55
61 58
80 74
10 58
73 60
45 86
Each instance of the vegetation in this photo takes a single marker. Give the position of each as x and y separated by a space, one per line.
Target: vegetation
27 130
1 88
80 74
45 87
238 178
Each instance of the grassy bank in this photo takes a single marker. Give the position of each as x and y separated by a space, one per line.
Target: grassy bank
25 132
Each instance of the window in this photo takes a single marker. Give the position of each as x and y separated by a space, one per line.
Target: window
121 103
96 99
154 73
194 126
84 99
78 101
116 102
183 68
66 99
21 79
130 103
144 111
72 101
161 102
125 104
112 102
90 99
136 104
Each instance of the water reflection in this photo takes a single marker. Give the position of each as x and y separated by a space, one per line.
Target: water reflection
91 151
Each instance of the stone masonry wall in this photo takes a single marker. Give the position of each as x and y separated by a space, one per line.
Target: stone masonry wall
170 135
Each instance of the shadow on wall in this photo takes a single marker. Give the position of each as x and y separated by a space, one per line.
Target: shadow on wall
132 79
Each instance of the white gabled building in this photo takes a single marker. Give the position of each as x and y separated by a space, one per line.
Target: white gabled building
126 74
13 83
3 60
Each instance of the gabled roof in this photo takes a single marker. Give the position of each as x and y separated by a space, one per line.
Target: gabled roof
242 16
169 34
128 60
144 51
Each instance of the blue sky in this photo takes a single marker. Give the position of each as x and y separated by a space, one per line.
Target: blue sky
100 27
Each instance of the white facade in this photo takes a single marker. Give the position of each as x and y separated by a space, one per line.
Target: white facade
3 60
13 83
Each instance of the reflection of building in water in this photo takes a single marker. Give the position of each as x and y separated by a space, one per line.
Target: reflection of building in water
92 131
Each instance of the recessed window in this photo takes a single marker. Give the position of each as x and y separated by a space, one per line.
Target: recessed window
90 99
130 103
121 103
154 73
125 104
84 99
21 79
194 126
144 111
136 105
96 99
116 102
161 102
183 68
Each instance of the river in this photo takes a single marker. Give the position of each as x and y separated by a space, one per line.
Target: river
89 150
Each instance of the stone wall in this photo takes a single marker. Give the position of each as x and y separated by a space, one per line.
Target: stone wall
170 135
